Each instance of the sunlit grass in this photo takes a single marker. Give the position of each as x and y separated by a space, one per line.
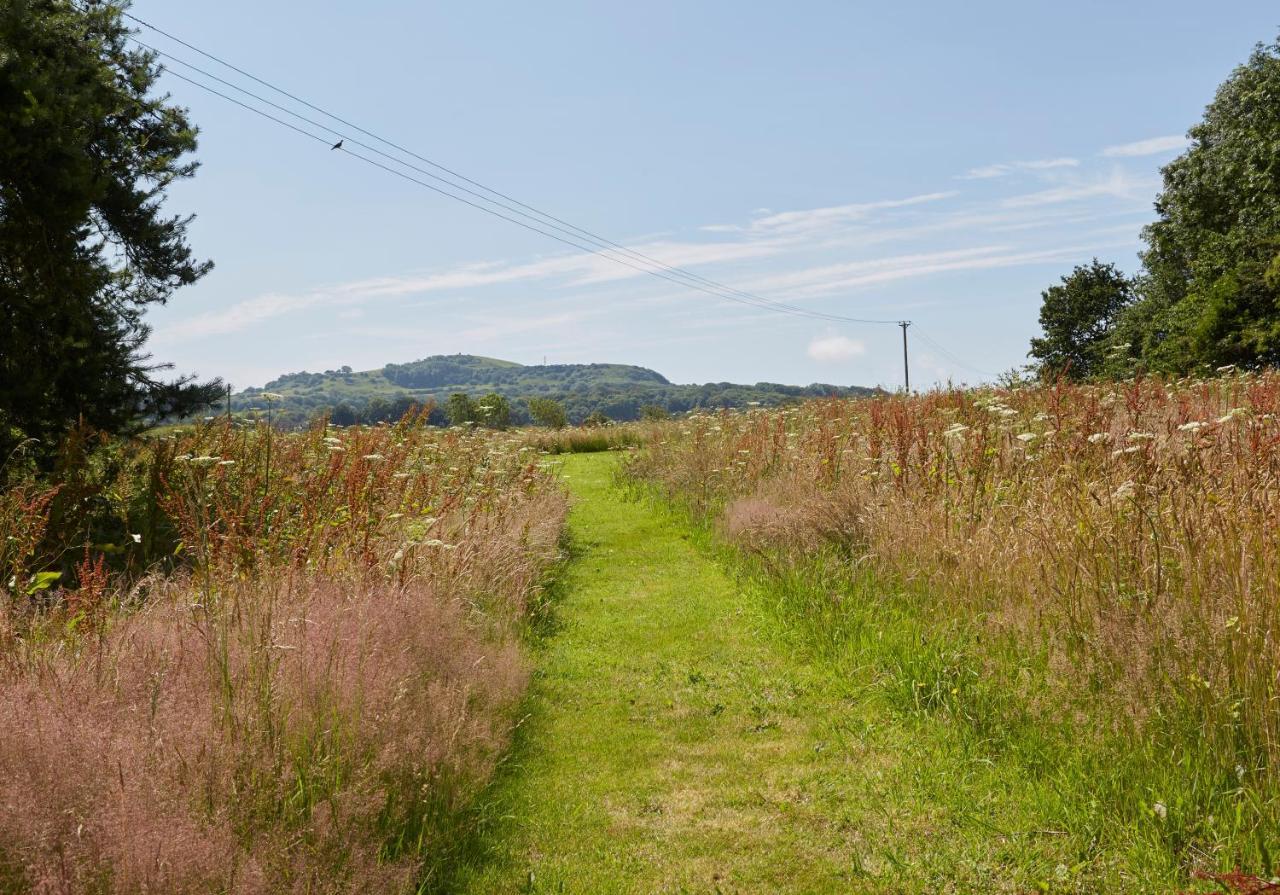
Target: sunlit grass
1094 566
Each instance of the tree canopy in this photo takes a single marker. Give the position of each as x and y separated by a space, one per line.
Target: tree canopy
1213 255
547 412
87 151
1078 317
1209 292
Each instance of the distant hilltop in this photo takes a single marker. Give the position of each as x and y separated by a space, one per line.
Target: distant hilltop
619 391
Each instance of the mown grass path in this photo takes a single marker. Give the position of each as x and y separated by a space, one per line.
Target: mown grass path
675 745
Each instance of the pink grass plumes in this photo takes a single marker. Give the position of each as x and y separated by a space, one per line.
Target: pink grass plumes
311 703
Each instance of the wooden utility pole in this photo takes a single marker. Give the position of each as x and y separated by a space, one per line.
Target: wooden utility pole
228 400
906 368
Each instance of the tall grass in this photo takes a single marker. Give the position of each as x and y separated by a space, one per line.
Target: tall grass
589 439
290 668
1088 574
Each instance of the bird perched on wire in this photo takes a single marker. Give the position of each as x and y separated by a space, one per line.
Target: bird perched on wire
337 145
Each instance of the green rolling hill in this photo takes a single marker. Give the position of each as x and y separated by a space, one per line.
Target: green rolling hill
619 391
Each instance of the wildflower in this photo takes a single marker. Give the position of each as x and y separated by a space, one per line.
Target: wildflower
1193 426
1140 436
1126 490
1226 369
1233 413
955 431
137 539
374 457
337 449
227 463
1098 437
1159 810
1027 437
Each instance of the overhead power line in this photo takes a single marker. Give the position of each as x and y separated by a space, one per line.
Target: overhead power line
601 246
950 356
409 152
483 198
657 272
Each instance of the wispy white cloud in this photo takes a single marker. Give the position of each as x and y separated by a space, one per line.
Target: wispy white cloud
766 254
822 278
240 316
1047 163
1003 169
1153 146
828 279
833 349
808 221
1117 185
575 270
494 330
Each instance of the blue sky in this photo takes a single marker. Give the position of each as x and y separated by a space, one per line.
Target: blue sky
938 162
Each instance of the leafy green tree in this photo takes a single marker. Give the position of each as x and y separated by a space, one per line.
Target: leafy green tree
460 409
344 415
1078 317
595 418
1212 287
548 412
653 412
87 151
494 411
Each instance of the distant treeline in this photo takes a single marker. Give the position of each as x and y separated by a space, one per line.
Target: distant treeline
584 391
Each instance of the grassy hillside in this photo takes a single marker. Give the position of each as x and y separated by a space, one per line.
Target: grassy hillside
616 390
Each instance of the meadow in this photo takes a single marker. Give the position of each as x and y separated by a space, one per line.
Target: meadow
1008 638
1083 578
235 660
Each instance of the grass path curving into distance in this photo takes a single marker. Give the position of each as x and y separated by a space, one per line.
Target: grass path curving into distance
675 743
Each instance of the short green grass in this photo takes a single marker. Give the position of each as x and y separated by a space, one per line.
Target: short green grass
677 740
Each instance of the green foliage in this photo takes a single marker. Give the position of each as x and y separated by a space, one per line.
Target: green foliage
1219 228
547 412
654 413
618 391
494 411
1211 295
86 154
1078 317
461 410
594 419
